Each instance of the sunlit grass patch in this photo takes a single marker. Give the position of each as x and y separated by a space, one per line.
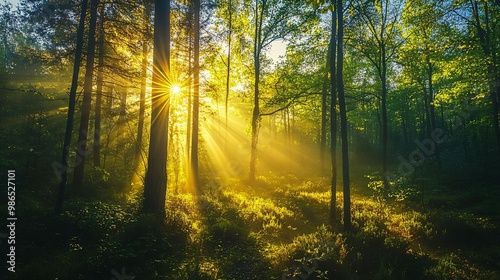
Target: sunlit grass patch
319 197
409 225
450 266
260 211
320 245
185 209
198 270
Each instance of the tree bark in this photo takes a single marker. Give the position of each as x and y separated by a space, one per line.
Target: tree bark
383 78
123 103
343 118
144 75
156 175
324 108
196 96
433 111
86 103
142 101
333 114
228 74
484 35
189 109
71 110
256 107
98 100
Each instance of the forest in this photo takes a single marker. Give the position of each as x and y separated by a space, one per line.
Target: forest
250 139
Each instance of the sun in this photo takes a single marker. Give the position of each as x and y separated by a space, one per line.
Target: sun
175 90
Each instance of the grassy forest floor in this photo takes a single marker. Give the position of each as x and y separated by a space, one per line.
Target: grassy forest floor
272 230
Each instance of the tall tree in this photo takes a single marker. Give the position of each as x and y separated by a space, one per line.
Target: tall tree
378 39
228 66
273 20
156 175
98 99
343 117
196 96
71 109
87 96
421 54
144 72
333 112
485 21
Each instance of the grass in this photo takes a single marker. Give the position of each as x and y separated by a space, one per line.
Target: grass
277 231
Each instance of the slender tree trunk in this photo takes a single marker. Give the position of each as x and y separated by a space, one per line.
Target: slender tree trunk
484 35
383 78
333 114
256 108
343 118
109 98
71 110
432 111
123 103
156 175
426 106
189 109
228 74
142 97
324 111
142 101
86 103
494 89
98 100
196 96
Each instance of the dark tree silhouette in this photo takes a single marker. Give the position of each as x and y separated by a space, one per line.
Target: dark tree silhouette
156 175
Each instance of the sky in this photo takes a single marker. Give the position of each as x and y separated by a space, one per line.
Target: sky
278 48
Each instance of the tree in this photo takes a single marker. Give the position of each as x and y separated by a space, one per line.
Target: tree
377 38
228 75
343 116
71 109
144 72
98 99
333 112
273 20
421 55
487 32
86 103
196 96
156 175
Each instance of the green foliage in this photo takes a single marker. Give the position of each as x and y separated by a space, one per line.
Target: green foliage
399 189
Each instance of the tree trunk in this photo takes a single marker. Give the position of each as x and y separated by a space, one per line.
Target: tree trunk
256 108
493 80
494 89
383 78
142 101
333 114
228 74
427 114
156 176
98 100
63 172
189 114
123 104
343 119
86 103
109 98
432 111
142 96
196 96
324 111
